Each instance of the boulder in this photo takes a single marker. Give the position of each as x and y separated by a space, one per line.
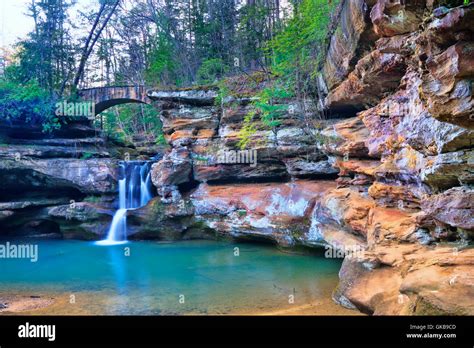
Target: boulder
173 169
81 220
166 222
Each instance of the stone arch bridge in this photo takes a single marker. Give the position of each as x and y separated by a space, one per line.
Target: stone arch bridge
106 97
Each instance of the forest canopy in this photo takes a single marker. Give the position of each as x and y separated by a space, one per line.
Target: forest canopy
161 44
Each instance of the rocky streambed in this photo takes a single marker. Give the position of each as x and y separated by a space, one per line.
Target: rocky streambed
385 179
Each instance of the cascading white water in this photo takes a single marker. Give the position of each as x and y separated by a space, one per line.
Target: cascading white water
145 194
118 228
134 192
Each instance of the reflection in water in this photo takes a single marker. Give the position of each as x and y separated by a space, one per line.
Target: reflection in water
154 275
118 267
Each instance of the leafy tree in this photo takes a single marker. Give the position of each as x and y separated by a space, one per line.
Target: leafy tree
162 69
123 122
295 52
27 103
211 70
47 54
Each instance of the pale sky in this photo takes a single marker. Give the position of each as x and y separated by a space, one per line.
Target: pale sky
14 23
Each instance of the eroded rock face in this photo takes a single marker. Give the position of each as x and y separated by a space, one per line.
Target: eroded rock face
395 194
397 17
447 88
375 74
194 97
405 168
353 35
408 279
454 207
45 180
183 124
448 59
276 212
81 220
346 208
347 138
167 222
404 118
87 176
205 148
450 169
173 169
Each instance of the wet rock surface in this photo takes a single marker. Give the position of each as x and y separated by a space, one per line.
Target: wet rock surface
276 212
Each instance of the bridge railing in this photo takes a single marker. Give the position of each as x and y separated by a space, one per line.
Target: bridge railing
118 86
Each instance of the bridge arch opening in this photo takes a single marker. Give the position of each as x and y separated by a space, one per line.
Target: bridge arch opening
133 122
106 97
104 105
126 113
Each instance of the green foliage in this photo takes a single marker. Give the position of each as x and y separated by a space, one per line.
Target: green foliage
269 107
297 50
211 70
248 130
242 212
122 122
27 103
162 69
160 139
222 94
453 3
87 155
254 31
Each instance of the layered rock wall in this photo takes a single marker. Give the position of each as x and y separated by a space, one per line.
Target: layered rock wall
409 164
59 186
401 209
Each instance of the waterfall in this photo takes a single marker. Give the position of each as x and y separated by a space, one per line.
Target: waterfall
145 181
134 192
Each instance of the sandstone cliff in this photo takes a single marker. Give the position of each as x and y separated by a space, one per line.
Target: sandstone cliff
397 86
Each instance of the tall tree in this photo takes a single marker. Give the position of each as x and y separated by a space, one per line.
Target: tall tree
106 10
